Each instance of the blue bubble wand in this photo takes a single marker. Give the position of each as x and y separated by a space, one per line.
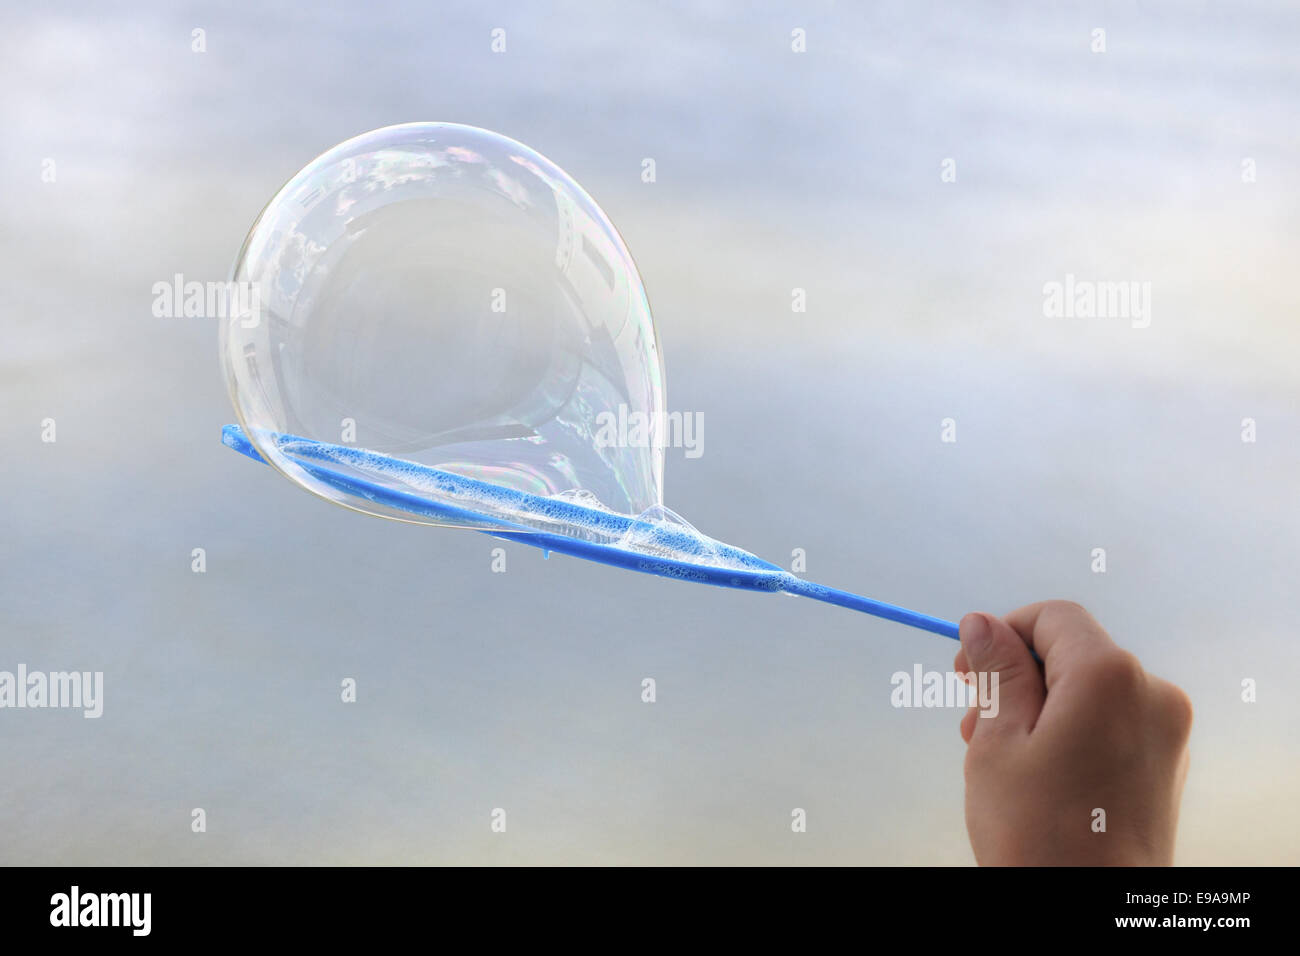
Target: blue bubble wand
561 525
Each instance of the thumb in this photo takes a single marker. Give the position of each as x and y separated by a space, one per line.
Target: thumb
1011 686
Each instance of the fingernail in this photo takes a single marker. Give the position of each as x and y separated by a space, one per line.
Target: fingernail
975 634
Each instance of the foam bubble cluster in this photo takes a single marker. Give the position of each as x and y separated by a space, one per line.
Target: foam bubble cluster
579 514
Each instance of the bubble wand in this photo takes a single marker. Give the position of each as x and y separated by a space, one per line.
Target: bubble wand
351 252
669 550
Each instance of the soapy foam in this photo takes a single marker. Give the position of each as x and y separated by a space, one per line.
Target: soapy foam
657 532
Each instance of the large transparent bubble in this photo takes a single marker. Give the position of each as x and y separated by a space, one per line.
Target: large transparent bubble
443 296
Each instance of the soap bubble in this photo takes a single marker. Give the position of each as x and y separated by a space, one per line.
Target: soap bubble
443 296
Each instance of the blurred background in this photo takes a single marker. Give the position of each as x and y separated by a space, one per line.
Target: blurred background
1171 158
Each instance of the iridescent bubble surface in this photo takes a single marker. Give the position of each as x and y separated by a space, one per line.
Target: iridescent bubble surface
443 295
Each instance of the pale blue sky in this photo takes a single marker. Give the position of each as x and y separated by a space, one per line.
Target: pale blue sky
775 170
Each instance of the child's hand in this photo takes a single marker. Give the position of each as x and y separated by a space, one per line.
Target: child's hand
1091 731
